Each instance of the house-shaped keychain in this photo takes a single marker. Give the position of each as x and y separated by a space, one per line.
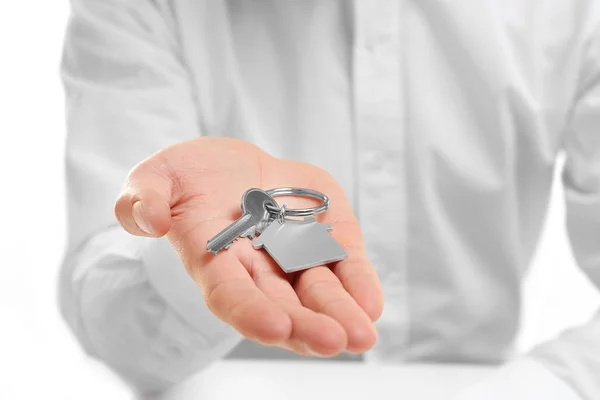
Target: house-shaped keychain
299 244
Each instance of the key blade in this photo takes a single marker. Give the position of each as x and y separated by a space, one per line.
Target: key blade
227 235
254 212
249 233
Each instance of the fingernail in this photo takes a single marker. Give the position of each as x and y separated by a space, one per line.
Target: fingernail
313 353
139 218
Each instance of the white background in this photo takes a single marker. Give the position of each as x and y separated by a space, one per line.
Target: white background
38 357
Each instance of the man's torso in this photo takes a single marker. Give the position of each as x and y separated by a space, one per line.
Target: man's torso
441 120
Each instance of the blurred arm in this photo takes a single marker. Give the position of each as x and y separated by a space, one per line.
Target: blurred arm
568 367
575 355
128 300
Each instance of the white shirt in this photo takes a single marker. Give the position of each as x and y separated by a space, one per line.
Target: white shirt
441 120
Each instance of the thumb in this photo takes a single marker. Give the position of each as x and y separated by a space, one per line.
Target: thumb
143 207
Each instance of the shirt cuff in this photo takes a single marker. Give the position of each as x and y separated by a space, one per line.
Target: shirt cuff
521 379
172 285
171 281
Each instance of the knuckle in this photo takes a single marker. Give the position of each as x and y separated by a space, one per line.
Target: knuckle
326 307
312 287
216 297
211 295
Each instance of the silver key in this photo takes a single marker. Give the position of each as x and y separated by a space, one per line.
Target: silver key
253 213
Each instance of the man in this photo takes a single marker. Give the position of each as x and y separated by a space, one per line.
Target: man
433 124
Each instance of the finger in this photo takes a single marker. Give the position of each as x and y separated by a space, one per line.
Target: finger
356 273
320 290
188 172
320 334
229 291
143 207
311 333
360 280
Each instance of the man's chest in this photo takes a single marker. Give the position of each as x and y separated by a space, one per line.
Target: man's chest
347 84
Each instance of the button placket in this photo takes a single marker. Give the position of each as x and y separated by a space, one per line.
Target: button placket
379 124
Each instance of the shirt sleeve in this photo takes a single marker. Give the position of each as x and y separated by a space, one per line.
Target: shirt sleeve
568 366
128 299
575 355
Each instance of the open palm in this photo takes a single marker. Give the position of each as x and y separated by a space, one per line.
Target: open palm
192 190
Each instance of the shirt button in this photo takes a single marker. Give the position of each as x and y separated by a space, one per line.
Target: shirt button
375 41
368 45
373 160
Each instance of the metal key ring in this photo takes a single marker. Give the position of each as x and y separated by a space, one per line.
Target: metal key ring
298 212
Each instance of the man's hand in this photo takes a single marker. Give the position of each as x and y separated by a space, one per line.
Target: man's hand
192 190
